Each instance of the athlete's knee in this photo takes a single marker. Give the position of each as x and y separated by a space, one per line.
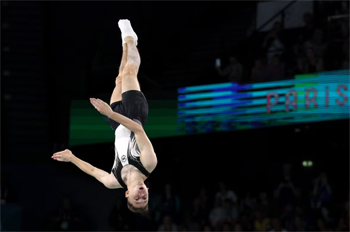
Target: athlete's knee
118 80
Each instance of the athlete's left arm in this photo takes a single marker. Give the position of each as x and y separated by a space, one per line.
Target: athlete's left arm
148 156
105 109
127 122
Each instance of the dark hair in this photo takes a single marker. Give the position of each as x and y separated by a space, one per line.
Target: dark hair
141 210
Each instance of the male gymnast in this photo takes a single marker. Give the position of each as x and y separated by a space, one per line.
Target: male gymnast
135 158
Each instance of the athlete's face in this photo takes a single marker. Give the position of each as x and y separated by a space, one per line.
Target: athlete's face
138 195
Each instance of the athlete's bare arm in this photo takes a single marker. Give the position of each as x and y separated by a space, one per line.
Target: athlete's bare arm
107 179
148 156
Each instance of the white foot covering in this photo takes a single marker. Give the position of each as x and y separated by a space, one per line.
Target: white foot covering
126 29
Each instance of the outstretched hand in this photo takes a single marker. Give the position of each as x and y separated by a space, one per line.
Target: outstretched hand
64 156
101 106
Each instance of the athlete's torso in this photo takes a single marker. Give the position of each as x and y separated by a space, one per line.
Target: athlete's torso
127 155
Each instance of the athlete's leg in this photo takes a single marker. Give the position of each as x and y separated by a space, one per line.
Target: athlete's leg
117 92
132 65
124 58
131 68
134 102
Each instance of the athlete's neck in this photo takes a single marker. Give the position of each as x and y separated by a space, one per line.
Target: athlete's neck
133 178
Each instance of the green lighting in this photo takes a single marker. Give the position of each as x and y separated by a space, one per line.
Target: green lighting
87 125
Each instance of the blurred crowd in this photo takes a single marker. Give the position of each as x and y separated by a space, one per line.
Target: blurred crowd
322 44
291 205
66 217
286 207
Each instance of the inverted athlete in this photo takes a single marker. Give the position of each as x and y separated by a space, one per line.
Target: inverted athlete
135 158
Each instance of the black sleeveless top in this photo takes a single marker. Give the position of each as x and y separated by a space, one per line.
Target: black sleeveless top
130 155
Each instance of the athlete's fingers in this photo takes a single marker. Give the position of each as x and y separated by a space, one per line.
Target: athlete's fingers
93 103
96 103
93 100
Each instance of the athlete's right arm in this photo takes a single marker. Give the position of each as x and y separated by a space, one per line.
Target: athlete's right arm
100 175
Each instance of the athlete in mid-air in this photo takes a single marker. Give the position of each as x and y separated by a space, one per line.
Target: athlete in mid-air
135 158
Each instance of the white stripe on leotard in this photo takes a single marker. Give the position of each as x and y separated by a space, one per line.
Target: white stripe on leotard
122 139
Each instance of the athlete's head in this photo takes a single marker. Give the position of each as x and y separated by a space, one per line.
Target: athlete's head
137 198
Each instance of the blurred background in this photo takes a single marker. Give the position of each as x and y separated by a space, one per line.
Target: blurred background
229 157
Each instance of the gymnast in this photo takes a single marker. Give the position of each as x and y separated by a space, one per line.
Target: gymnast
135 158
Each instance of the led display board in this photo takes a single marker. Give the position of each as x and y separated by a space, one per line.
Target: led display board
230 106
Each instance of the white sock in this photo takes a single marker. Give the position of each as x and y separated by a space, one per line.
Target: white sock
126 29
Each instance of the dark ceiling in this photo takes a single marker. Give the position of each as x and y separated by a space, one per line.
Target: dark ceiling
84 41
